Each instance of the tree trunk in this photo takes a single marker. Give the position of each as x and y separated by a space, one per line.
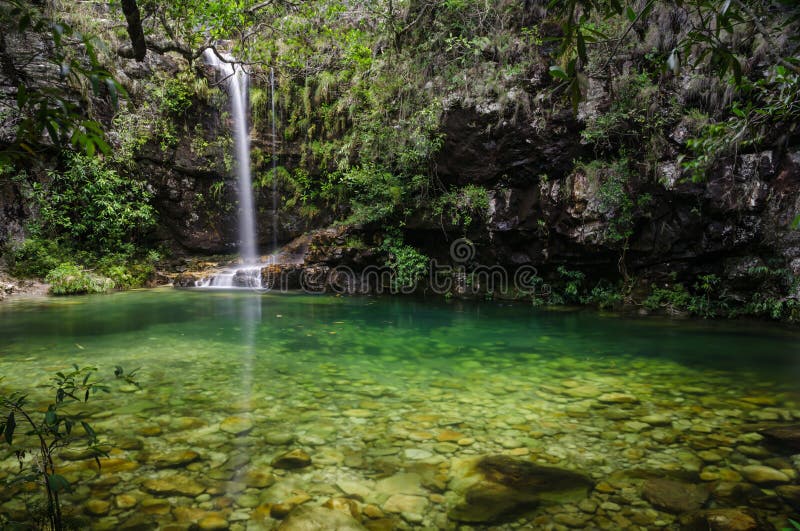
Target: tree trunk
135 30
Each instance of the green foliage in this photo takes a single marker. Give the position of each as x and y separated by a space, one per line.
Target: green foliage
704 301
771 102
70 279
376 192
407 263
47 431
48 113
617 200
462 207
707 40
35 257
91 207
572 285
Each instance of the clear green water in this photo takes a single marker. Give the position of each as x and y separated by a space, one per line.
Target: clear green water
366 385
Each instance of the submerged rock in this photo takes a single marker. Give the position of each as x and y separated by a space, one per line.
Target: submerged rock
236 425
175 485
496 488
307 518
788 436
675 496
292 459
764 475
723 520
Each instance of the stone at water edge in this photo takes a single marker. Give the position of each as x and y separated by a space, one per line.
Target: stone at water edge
306 518
292 459
496 488
675 496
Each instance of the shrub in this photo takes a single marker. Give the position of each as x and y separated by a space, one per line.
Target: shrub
69 279
35 257
90 206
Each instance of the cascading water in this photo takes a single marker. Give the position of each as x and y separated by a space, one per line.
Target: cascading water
237 80
249 275
274 163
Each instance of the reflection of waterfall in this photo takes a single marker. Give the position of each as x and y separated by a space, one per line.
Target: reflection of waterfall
274 163
237 80
249 317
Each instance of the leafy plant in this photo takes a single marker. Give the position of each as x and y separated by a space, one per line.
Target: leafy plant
462 207
69 279
53 429
91 206
407 263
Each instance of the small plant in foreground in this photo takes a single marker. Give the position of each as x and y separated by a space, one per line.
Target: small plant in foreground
52 430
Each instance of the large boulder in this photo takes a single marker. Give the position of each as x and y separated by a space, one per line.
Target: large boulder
496 488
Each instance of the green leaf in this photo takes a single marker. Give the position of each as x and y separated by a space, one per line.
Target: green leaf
50 418
581 47
89 430
558 72
630 13
58 483
796 222
11 424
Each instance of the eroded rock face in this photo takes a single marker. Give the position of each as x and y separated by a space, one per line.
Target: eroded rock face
496 488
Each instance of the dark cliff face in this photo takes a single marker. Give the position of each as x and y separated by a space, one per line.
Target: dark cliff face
547 212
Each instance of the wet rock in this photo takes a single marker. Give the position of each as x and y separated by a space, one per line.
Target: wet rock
617 398
97 507
279 438
236 425
764 475
722 520
344 505
657 420
125 501
279 511
292 459
496 488
307 518
788 436
174 485
258 479
790 494
212 522
404 483
675 496
411 508
175 459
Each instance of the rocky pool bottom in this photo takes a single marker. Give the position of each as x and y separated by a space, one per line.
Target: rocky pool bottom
300 412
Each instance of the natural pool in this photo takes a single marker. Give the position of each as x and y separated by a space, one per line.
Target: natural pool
394 399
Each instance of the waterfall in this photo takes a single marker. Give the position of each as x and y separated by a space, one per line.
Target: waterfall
274 163
237 80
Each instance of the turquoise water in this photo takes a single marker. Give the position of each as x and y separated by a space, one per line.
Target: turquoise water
368 386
